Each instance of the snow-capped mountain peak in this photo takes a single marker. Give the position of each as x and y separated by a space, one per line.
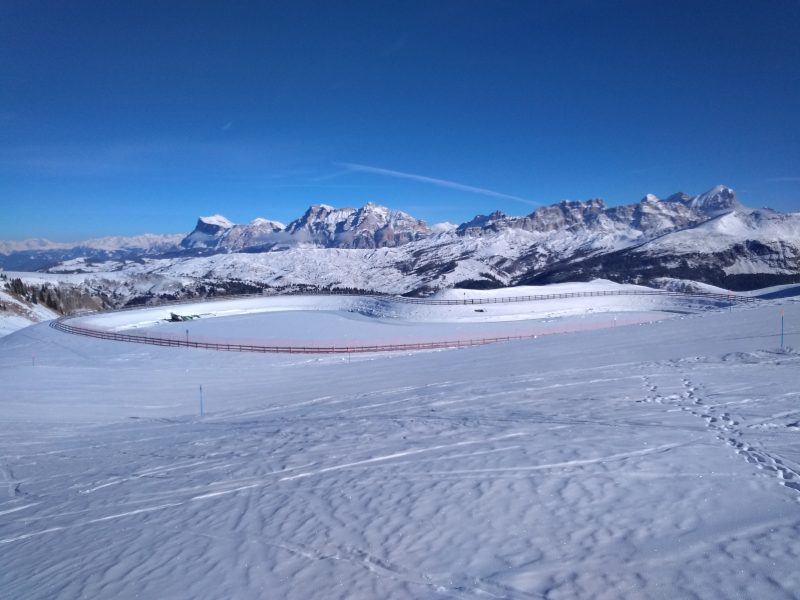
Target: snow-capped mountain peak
215 221
443 227
718 199
370 226
322 225
207 232
267 223
708 237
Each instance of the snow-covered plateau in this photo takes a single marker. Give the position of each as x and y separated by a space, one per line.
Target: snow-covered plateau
653 460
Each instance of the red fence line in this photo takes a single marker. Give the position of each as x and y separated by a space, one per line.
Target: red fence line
62 325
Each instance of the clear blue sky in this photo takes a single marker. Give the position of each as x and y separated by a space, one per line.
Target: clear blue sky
132 117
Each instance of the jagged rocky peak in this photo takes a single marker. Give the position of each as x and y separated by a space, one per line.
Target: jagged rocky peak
679 198
559 216
566 213
258 234
375 226
370 226
320 209
372 217
718 199
319 217
480 222
576 209
590 204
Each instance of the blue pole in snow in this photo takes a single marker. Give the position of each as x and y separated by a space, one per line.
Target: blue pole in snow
201 399
781 329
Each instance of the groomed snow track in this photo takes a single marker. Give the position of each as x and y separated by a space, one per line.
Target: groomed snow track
62 324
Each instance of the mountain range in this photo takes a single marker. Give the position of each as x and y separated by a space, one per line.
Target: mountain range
709 237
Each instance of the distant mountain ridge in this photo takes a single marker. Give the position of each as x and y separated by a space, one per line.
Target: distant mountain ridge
709 237
38 254
371 226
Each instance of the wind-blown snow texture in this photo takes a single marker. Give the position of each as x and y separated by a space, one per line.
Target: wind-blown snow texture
650 461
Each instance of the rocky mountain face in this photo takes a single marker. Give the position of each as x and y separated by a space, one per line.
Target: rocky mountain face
585 240
370 226
738 250
208 232
710 237
648 218
218 234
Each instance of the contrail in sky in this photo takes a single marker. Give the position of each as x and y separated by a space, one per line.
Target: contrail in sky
440 182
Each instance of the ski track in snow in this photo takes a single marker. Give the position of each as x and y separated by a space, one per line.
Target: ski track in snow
571 468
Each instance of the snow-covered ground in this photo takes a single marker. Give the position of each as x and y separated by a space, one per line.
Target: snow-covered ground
647 461
15 315
362 321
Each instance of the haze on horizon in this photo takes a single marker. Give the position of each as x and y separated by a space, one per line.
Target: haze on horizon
125 119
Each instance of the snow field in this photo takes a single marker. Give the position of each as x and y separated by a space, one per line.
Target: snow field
656 461
328 321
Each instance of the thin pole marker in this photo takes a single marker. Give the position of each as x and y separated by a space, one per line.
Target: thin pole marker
781 329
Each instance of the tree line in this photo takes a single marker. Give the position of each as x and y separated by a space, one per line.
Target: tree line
59 298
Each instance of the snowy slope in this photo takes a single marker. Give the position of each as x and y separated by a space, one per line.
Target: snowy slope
727 230
653 461
15 314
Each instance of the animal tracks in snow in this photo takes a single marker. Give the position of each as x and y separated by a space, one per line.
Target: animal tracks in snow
726 426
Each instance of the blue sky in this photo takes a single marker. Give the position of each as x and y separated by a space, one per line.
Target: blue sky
129 117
